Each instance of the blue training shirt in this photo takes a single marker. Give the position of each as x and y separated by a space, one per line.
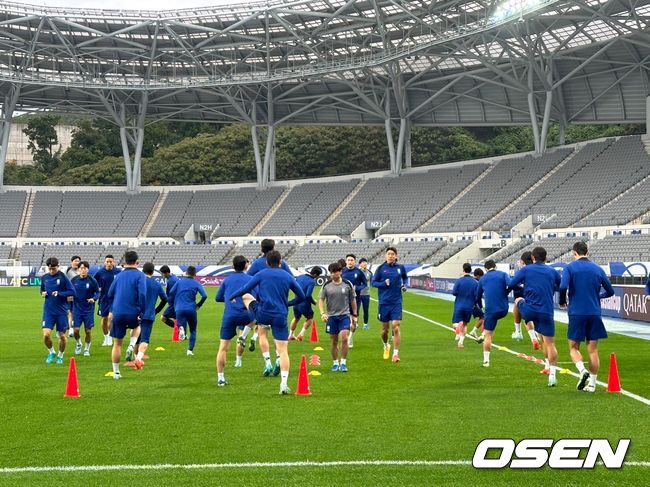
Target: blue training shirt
59 283
273 291
230 285
391 294
356 277
587 285
154 291
183 295
307 284
260 264
104 279
540 283
128 293
84 289
494 284
465 292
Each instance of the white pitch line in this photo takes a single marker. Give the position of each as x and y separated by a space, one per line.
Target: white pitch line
254 465
629 394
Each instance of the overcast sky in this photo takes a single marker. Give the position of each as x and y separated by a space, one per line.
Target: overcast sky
130 4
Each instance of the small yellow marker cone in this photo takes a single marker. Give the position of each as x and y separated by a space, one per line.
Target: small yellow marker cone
160 349
318 349
503 349
315 372
108 374
565 371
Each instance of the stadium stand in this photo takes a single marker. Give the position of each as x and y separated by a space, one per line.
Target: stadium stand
183 254
5 251
327 252
621 210
407 201
252 251
413 252
11 210
237 211
509 179
558 249
448 251
515 248
621 248
89 213
306 207
35 255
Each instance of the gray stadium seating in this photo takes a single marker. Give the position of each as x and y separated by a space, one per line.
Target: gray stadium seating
90 213
508 180
515 248
252 250
12 204
622 210
328 252
237 211
306 207
558 249
621 248
411 252
36 255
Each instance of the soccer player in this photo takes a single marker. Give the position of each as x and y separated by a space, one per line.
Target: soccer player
56 288
72 271
307 282
390 278
104 278
271 308
518 292
235 315
266 246
465 292
183 299
339 297
536 305
363 300
495 285
587 284
129 295
86 293
169 315
477 312
154 291
358 279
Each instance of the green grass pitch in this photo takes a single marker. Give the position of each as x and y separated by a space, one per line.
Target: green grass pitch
435 405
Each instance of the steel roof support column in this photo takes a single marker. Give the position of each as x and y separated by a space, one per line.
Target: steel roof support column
268 170
532 109
256 147
139 131
6 113
389 135
647 117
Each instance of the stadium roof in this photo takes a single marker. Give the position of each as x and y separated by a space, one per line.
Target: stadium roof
393 62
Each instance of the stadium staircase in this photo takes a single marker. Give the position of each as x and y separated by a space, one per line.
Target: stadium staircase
227 259
341 207
452 267
15 253
26 217
480 177
636 221
533 187
153 215
271 212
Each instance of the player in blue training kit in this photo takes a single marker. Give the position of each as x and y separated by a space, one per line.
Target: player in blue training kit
363 301
266 246
104 278
477 312
307 282
183 299
72 271
235 315
587 284
494 284
390 279
169 315
357 277
128 294
56 288
271 308
83 311
465 292
154 292
518 292
537 306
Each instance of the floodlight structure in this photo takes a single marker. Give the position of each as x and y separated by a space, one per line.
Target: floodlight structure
392 63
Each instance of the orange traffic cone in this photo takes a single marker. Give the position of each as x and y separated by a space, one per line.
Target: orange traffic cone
72 388
313 338
175 337
303 380
613 381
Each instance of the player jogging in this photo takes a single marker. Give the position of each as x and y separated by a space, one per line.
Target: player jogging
465 292
358 279
56 288
363 299
154 291
183 299
86 293
307 282
104 278
494 284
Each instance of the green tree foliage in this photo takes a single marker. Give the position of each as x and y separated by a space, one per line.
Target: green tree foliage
432 145
24 175
41 133
109 171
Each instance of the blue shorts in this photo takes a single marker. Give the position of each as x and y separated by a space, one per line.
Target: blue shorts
586 327
230 323
544 324
336 324
389 312
145 331
87 319
478 313
518 292
60 321
104 307
277 323
491 319
186 318
121 323
462 315
299 312
169 312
